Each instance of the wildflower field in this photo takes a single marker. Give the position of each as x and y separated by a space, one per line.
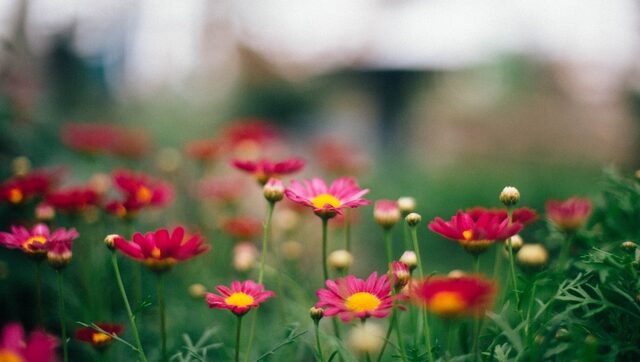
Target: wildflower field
239 246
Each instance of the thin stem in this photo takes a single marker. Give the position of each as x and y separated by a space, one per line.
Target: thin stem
563 258
266 233
476 336
387 244
447 351
514 280
132 318
497 263
62 316
238 330
403 354
529 308
318 345
427 329
387 335
325 270
39 293
161 305
476 263
347 230
405 234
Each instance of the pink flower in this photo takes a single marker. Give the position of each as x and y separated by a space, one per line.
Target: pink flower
570 214
327 202
386 213
339 157
14 347
19 189
224 189
455 296
249 130
240 298
265 169
159 250
37 241
105 138
59 247
399 274
475 235
522 215
206 150
351 297
74 199
242 227
140 191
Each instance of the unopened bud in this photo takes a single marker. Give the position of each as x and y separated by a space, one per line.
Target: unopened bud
413 219
386 213
168 160
532 257
21 166
516 244
197 291
316 313
407 205
59 260
562 334
292 250
273 190
366 338
110 241
45 212
410 259
340 259
629 246
510 196
456 273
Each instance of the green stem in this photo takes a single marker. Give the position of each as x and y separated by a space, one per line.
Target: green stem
39 293
238 330
62 316
318 345
447 351
497 263
476 336
387 244
325 270
387 335
161 305
532 299
563 258
347 230
427 329
132 318
266 233
405 234
514 280
476 263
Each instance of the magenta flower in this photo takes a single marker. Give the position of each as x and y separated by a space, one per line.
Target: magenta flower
37 241
265 169
327 202
74 199
475 234
140 191
570 214
20 189
399 274
159 250
522 215
14 347
59 247
350 297
240 298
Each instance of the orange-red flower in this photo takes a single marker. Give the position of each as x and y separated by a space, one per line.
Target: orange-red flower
570 214
339 157
475 234
242 228
160 250
265 169
454 296
97 339
240 298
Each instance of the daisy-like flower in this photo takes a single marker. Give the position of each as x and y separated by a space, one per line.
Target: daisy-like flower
265 169
59 247
20 189
454 296
160 250
242 227
327 202
522 215
386 213
249 131
140 191
570 214
240 298
74 199
104 138
97 339
14 347
350 297
37 241
226 190
475 235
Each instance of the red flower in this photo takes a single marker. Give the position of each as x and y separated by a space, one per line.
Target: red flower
351 297
159 250
14 347
523 215
339 157
454 296
206 150
570 214
264 169
251 130
73 200
475 235
104 138
97 339
140 191
240 298
223 189
327 202
19 189
242 228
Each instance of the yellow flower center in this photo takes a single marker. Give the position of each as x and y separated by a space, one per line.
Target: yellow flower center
15 195
36 239
239 299
362 302
9 356
324 199
144 195
100 338
156 252
467 234
447 304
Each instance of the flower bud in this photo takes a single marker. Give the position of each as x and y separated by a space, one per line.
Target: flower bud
532 257
21 166
456 273
316 313
244 256
399 274
516 244
413 219
100 183
110 241
58 260
168 160
273 190
510 196
407 205
629 246
562 334
366 338
45 212
410 259
386 213
340 259
292 250
197 291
